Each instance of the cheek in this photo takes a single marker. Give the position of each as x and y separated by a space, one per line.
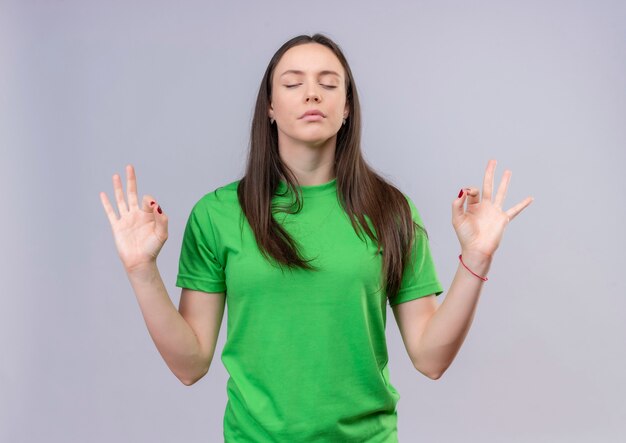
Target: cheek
283 106
339 105
339 108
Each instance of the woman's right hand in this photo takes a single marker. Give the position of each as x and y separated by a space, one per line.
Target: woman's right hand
139 232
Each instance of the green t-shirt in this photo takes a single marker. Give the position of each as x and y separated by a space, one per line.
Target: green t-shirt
305 350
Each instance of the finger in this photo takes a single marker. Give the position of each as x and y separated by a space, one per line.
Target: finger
488 180
161 222
110 212
457 204
148 203
473 195
457 207
119 195
504 184
512 213
131 187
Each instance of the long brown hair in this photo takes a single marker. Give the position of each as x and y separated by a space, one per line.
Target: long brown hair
361 191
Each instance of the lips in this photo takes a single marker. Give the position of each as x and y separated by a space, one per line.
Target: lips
313 112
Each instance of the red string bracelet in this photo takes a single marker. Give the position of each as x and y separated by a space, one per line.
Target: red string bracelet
482 278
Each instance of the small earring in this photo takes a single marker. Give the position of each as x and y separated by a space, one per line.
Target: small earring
271 121
344 121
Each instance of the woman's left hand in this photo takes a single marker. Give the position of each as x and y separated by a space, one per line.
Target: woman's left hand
480 228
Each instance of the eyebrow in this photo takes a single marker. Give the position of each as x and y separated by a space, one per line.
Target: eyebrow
295 71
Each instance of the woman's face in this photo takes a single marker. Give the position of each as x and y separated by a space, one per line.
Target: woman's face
308 77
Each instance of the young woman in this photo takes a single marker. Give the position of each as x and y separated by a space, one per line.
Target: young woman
307 249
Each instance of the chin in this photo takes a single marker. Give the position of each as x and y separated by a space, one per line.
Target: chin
316 140
313 137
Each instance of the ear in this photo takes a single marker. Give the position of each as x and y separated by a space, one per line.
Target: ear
346 110
270 112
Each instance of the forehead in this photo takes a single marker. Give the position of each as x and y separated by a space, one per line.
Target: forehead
309 57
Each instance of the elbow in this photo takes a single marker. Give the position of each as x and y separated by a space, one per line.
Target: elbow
433 375
188 381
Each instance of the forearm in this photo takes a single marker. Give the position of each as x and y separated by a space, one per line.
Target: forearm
172 335
447 328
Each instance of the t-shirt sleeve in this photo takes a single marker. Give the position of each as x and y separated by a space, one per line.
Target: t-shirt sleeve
420 279
198 267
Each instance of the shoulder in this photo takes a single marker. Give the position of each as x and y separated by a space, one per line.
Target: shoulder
220 201
414 212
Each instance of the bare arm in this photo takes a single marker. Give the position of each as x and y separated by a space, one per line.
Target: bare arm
186 352
432 333
186 340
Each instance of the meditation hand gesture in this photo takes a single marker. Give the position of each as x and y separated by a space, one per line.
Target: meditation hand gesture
139 233
480 228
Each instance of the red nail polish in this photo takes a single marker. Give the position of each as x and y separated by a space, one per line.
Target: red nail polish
159 209
460 193
151 203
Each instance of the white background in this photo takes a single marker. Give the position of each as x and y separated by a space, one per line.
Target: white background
87 87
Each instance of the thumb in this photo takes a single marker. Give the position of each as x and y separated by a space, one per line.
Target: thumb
161 221
457 206
149 204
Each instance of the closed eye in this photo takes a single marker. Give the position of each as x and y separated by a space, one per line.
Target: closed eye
325 86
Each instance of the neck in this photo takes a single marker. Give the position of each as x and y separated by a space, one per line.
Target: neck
312 163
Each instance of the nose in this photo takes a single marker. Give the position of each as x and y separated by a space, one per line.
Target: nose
312 95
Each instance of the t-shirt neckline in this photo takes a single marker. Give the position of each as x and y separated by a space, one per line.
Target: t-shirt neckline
311 190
